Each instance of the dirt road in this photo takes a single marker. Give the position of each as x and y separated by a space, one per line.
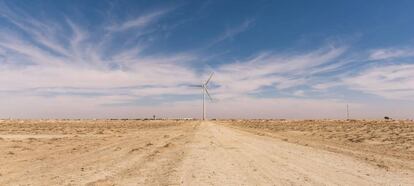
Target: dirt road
188 154
225 156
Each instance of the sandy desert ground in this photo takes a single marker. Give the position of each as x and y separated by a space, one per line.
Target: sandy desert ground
225 152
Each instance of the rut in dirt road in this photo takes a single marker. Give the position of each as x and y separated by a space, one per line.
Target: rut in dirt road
225 156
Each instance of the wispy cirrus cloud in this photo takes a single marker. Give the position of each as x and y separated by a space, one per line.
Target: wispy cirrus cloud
389 81
231 32
138 22
281 71
44 59
390 53
79 66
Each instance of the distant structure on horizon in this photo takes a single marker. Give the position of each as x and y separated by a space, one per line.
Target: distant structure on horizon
347 112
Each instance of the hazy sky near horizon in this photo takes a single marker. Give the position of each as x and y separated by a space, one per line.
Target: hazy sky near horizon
271 59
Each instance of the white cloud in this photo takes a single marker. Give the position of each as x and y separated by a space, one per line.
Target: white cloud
231 32
271 70
381 54
326 85
390 81
79 65
61 80
138 22
82 67
299 93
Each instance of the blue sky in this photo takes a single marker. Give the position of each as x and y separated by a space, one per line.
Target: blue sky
271 59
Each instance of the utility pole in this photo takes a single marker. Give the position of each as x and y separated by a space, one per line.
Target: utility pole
347 112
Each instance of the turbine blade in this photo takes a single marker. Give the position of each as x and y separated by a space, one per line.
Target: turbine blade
208 80
198 86
208 94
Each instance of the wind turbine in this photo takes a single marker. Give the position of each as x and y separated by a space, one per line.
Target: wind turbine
204 88
205 91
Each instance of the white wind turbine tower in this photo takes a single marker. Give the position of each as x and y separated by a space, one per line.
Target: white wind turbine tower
204 88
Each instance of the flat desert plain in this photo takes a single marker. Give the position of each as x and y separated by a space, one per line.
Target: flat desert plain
222 152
